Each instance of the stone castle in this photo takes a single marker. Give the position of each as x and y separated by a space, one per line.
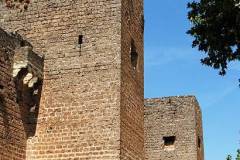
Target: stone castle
71 87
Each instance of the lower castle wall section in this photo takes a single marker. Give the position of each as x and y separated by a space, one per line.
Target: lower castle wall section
171 128
78 120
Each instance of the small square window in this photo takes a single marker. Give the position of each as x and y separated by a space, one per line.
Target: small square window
22 43
169 142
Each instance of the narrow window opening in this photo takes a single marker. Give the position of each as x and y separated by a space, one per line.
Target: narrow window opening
1 87
22 43
142 23
80 39
199 142
134 55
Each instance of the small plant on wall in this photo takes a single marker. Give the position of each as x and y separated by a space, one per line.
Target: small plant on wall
16 4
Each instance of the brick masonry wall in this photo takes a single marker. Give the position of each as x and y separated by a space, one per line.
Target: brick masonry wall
79 115
12 130
199 131
132 98
173 116
19 97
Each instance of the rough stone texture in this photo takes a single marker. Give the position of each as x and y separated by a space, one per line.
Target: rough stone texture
91 102
132 96
12 133
86 109
173 116
17 120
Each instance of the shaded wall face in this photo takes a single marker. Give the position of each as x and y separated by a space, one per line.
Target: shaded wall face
12 131
19 94
79 115
132 98
199 130
171 129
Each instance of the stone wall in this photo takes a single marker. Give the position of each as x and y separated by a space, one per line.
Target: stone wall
132 98
173 129
12 133
199 133
17 116
83 106
92 102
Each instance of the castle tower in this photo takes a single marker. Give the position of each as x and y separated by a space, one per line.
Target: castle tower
92 104
173 129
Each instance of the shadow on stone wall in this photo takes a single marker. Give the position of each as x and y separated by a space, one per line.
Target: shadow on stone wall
4 135
21 77
28 98
28 76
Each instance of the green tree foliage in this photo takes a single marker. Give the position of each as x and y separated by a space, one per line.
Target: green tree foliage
229 157
238 155
216 31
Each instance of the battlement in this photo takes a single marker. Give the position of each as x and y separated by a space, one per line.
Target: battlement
171 101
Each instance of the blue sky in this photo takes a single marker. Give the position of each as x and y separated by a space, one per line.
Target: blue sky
172 67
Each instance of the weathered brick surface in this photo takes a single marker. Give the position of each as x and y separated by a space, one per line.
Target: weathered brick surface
85 110
173 116
132 98
92 102
12 133
17 123
199 133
